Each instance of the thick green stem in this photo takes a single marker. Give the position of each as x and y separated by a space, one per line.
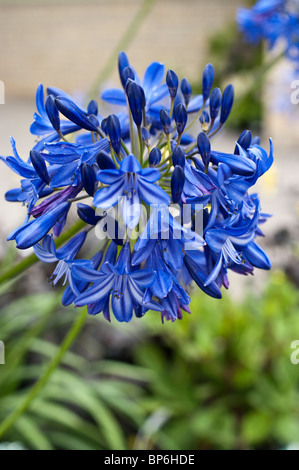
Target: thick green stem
50 368
32 259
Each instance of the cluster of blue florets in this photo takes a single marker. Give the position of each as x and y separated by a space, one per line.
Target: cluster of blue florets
274 21
163 207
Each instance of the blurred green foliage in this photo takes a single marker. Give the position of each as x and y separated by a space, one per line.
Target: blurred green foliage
221 378
79 408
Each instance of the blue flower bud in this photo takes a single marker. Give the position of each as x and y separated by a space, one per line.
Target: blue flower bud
87 214
127 73
70 110
39 165
207 80
204 120
145 135
114 231
178 157
136 101
92 108
123 62
215 102
172 82
244 141
94 120
154 156
143 96
104 161
52 112
204 148
256 140
227 103
33 231
128 83
89 179
114 132
186 90
180 117
165 120
104 125
177 184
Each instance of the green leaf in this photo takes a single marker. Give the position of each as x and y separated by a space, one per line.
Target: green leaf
32 434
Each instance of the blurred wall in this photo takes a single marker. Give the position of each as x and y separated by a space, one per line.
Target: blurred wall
66 43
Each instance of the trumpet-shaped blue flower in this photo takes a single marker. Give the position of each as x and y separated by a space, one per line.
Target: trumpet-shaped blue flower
125 287
48 253
130 184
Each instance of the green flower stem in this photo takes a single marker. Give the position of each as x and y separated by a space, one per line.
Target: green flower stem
112 153
171 107
32 259
132 134
124 147
141 146
50 368
123 43
168 144
197 116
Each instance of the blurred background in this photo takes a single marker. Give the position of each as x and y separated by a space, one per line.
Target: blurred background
221 378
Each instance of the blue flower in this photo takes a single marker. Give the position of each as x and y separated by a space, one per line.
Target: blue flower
31 232
130 183
142 156
42 125
166 287
66 160
167 235
273 21
198 268
48 253
125 287
227 240
154 90
172 308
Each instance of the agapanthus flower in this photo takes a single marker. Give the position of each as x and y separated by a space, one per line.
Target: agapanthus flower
130 183
166 209
48 253
273 21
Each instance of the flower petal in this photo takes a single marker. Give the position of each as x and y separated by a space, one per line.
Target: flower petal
152 194
152 77
114 96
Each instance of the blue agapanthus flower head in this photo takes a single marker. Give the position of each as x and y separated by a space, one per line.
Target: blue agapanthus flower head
166 210
273 21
